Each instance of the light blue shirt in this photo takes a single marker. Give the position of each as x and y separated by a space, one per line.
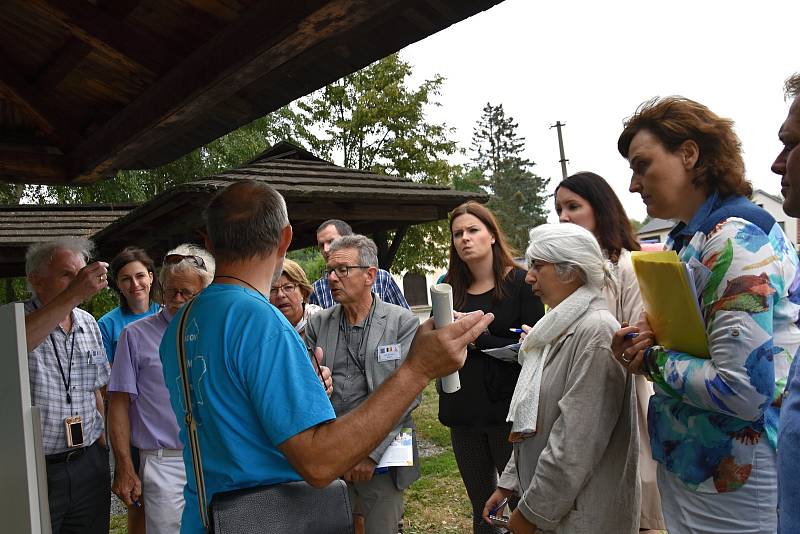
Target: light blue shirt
112 324
253 387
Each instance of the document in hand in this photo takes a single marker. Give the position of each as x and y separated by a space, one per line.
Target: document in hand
669 290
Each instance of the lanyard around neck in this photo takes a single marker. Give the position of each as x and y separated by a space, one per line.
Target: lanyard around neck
66 379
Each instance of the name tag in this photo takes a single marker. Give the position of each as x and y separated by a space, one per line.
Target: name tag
97 357
387 353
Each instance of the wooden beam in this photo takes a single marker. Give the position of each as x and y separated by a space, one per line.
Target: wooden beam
32 165
263 38
64 62
47 118
125 43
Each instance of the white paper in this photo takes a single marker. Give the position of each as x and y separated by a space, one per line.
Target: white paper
442 309
400 452
509 353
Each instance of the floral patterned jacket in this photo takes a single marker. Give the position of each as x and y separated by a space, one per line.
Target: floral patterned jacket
708 414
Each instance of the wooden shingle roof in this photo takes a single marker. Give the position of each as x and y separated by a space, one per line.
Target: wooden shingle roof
22 225
314 189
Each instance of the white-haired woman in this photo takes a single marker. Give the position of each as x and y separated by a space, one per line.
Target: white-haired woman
573 411
139 409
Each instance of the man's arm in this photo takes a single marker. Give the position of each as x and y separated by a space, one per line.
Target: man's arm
434 353
39 323
126 484
392 293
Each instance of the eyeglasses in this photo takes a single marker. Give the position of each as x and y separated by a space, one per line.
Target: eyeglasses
342 271
185 293
286 288
173 259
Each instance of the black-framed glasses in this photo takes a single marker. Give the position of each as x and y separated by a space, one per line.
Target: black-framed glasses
286 288
197 261
342 271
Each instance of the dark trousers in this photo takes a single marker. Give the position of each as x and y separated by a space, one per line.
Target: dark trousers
79 492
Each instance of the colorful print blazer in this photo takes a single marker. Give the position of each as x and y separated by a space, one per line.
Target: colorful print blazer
708 414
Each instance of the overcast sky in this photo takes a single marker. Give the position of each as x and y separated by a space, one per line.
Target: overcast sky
589 64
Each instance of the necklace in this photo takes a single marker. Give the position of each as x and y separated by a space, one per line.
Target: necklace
242 281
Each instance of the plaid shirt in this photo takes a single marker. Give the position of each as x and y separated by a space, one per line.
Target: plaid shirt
89 372
384 286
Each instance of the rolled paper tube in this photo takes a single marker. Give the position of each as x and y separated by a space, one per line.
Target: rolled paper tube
442 307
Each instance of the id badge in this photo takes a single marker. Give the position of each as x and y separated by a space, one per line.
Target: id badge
388 353
74 429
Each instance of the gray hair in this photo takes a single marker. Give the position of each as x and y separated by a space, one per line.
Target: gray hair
245 220
187 249
791 86
367 250
573 250
39 255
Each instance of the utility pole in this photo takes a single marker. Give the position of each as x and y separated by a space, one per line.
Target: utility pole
563 159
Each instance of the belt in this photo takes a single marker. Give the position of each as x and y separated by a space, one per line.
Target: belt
68 456
162 452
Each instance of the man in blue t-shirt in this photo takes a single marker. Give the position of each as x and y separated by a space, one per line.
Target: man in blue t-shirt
263 416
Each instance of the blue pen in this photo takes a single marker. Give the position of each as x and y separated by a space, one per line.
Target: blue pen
516 330
630 335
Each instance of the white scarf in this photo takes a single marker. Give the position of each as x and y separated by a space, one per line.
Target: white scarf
524 408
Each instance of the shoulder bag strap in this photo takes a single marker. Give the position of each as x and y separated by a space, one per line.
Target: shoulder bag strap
191 426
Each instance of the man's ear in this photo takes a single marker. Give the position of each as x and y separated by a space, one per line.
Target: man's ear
372 274
286 240
690 152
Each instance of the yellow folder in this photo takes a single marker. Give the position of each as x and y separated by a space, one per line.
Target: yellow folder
671 302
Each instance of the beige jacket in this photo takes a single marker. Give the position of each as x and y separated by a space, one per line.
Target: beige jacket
625 303
578 473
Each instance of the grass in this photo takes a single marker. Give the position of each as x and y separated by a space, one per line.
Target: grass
437 502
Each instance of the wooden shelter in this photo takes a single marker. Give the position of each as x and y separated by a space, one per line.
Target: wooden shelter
89 87
314 189
21 226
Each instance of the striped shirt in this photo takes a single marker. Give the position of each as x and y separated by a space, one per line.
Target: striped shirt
89 372
385 287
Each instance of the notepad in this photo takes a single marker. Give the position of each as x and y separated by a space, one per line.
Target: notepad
670 292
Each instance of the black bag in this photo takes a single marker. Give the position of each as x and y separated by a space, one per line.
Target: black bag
291 507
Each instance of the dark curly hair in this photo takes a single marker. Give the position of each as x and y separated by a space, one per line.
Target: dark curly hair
675 119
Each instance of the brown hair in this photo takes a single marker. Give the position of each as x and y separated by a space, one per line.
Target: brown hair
126 256
675 119
296 275
458 274
611 224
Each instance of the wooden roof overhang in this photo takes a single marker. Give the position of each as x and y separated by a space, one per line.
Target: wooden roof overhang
89 87
23 225
314 189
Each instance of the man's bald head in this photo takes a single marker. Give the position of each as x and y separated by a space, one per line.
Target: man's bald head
245 220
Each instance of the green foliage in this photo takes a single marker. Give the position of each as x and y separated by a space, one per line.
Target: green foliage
517 194
13 290
311 260
636 225
376 122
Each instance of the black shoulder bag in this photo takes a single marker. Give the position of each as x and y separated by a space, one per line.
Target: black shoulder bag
294 507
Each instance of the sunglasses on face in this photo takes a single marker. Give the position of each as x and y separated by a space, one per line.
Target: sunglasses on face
173 259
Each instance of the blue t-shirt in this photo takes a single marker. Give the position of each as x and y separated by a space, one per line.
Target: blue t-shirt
112 324
253 387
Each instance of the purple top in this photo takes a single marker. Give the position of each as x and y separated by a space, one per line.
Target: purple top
137 371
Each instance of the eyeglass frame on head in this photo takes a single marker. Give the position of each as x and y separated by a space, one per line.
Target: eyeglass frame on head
273 291
174 259
327 272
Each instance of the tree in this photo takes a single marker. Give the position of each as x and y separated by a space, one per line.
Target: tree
374 121
517 194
